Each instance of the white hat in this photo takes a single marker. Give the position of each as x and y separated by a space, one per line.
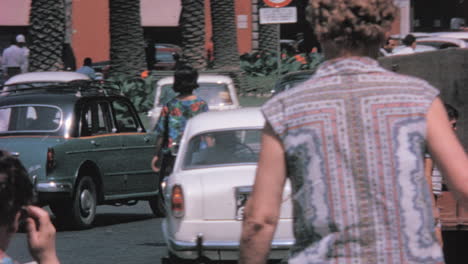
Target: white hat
20 38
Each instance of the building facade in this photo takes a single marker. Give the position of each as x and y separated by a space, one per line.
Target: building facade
160 18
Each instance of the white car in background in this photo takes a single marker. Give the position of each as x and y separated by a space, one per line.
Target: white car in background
217 90
419 48
41 79
442 42
212 179
462 35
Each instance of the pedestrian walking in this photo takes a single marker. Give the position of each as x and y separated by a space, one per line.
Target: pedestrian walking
15 57
174 117
351 140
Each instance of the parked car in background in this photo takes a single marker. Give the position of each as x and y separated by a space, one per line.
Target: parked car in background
463 35
83 145
419 48
102 69
442 42
217 90
212 178
165 56
291 80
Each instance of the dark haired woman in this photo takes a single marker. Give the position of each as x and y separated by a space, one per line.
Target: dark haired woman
175 114
351 139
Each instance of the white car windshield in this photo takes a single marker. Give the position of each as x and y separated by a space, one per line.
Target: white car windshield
29 118
215 94
223 148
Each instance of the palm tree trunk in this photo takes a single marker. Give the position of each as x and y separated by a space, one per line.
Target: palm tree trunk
226 54
268 35
127 51
192 24
47 35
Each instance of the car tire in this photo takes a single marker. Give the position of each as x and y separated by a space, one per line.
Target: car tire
83 209
157 206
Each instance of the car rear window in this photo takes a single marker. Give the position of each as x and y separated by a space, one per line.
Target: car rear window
25 118
223 148
215 94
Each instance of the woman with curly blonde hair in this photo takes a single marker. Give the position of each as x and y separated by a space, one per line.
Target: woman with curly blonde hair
351 140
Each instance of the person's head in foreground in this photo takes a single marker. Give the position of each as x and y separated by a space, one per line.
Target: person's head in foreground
351 27
15 192
16 195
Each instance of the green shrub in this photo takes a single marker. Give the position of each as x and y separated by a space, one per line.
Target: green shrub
265 63
139 91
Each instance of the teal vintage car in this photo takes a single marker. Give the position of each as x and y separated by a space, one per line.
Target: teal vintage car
82 144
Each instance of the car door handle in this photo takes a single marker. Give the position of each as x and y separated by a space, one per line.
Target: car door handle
94 143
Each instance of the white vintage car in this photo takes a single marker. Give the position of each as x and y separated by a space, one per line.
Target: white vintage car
212 178
217 90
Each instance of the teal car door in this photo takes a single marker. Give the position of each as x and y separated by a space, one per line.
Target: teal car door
100 145
138 148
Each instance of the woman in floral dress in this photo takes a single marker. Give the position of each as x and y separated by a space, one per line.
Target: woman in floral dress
174 117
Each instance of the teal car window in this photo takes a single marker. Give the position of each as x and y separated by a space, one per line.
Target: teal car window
223 148
125 118
212 93
30 118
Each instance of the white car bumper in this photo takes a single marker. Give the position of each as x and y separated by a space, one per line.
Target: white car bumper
217 250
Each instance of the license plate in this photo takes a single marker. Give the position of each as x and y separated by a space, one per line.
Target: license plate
242 194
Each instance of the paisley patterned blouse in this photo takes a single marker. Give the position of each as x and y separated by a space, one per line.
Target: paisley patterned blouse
178 112
354 136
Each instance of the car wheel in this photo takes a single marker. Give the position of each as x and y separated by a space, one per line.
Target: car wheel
84 203
157 206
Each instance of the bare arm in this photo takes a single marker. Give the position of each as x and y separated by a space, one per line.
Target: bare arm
446 150
263 207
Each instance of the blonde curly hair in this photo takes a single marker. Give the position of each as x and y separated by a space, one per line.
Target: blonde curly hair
351 23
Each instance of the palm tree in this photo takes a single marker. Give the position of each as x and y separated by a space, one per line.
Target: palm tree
127 51
192 25
47 34
268 34
226 54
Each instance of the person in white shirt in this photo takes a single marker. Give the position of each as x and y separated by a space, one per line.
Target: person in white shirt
15 57
410 42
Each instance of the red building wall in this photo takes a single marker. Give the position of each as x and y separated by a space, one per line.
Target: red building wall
91 37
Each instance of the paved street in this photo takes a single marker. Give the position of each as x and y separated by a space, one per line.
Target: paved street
127 234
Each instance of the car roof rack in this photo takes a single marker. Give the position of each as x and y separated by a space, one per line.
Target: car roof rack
100 87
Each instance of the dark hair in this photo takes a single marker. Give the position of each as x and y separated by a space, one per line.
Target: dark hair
409 40
16 190
351 23
185 79
452 112
87 61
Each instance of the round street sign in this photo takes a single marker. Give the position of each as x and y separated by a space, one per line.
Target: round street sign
277 3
